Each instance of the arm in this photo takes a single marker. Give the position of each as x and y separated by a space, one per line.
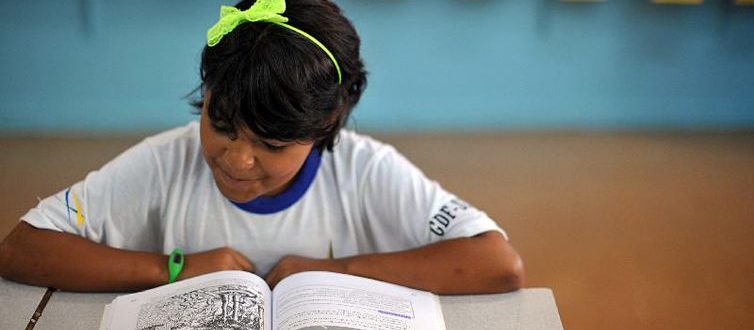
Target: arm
485 263
69 262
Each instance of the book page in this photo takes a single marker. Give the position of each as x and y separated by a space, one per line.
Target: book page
221 300
315 300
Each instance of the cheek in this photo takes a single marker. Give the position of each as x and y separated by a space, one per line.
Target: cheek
211 151
285 167
281 168
211 147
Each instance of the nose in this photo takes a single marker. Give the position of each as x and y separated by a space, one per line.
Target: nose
240 155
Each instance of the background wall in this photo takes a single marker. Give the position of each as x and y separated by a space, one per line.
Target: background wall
123 66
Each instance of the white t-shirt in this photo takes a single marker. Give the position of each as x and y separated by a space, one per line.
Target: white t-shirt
160 194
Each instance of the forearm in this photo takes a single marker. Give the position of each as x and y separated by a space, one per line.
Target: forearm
482 264
68 262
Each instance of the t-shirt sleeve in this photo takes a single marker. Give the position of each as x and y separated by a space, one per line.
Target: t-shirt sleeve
118 205
405 208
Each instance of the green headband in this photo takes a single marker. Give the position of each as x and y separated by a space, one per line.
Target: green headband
261 11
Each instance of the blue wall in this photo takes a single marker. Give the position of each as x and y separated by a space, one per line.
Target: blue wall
120 66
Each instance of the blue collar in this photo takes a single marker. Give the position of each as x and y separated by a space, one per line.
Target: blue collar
283 200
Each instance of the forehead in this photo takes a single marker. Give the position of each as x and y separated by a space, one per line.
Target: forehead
258 123
220 113
244 132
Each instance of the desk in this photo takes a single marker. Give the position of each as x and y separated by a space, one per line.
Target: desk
17 304
524 309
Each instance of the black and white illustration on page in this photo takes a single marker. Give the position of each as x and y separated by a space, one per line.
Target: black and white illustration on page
224 306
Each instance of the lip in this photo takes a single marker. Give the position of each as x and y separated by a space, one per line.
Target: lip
234 182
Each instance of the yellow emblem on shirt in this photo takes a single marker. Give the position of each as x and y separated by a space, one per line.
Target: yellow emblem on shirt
79 215
77 209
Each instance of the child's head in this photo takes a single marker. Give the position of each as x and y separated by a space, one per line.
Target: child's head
281 85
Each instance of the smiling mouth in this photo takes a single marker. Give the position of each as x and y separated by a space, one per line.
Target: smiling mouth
233 180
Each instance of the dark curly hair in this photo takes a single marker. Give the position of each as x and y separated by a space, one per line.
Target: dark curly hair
278 83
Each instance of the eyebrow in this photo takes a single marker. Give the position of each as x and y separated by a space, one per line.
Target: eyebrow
255 138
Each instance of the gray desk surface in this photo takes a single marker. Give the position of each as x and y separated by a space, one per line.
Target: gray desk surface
18 303
524 309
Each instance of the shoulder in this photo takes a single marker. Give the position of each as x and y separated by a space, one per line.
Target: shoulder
358 150
364 160
179 144
187 134
165 155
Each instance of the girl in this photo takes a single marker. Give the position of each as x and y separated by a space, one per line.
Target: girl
266 181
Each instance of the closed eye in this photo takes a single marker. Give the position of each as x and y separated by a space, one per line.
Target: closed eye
223 128
272 147
220 126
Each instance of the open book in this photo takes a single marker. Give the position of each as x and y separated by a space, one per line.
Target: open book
309 300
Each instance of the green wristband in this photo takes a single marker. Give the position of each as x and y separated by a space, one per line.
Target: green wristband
175 264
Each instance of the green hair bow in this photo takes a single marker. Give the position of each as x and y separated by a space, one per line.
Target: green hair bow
261 11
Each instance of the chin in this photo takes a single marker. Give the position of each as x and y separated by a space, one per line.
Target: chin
238 197
241 199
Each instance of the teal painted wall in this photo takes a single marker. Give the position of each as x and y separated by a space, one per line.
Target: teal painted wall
121 66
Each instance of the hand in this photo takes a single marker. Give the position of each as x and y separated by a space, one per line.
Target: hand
290 265
210 261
